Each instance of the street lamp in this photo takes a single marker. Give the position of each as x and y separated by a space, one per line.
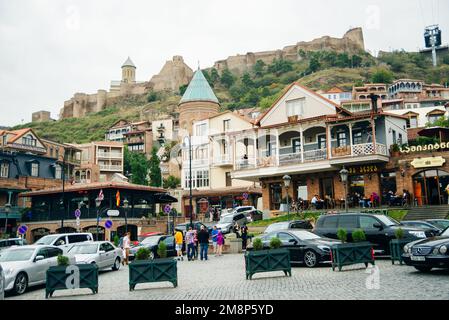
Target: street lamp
125 205
344 178
97 204
188 141
287 179
7 211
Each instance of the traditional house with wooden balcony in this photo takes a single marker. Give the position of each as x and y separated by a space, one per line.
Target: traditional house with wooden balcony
311 138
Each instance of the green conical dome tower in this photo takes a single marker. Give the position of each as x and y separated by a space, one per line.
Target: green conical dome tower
199 89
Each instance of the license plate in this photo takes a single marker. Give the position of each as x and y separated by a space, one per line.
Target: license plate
415 258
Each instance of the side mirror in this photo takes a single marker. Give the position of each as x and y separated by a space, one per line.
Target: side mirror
39 258
293 241
377 225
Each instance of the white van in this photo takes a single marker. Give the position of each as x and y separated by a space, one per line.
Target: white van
65 240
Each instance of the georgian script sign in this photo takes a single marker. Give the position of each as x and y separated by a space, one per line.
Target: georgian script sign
428 162
430 147
363 169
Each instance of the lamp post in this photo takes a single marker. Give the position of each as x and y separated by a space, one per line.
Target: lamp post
344 178
188 141
287 179
125 205
97 204
7 211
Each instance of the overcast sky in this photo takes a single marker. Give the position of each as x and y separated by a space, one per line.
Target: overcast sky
50 49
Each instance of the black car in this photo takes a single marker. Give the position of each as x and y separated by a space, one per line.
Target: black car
427 254
286 225
305 247
428 227
152 244
197 226
379 229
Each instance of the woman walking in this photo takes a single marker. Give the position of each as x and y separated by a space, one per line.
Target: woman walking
220 242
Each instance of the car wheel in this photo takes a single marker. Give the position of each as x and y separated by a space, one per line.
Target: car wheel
116 265
310 259
423 269
20 284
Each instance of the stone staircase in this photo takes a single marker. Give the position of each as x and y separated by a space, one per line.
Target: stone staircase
427 212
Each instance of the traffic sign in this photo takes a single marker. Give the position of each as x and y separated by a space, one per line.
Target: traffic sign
23 229
245 196
77 213
108 224
113 213
167 208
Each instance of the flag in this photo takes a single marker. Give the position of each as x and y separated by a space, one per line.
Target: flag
117 198
101 195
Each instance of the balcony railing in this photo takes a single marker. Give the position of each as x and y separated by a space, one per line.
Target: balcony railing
360 150
104 167
110 155
243 164
223 159
315 155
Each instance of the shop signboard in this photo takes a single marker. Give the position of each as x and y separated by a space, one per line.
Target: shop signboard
428 162
364 169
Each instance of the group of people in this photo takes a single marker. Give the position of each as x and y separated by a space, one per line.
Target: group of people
198 241
392 199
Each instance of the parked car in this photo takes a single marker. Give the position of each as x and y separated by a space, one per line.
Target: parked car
148 234
255 215
430 228
102 253
7 243
197 225
379 229
305 247
65 240
286 225
152 244
439 223
2 283
227 222
26 266
427 254
242 209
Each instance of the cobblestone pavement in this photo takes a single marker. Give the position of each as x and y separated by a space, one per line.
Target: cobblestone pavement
223 278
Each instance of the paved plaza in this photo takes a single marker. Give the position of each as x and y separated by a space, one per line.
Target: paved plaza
223 278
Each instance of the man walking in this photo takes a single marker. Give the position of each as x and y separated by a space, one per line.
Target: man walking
244 232
203 239
178 242
190 243
126 246
214 238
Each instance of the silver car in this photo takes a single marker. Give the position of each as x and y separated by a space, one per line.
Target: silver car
27 266
103 253
2 283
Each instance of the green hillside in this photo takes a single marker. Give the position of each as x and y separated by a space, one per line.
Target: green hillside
259 87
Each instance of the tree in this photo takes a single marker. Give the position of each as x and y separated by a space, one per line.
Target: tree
171 182
155 169
227 79
314 64
182 89
356 61
208 78
279 66
259 68
214 76
247 81
152 96
136 165
382 76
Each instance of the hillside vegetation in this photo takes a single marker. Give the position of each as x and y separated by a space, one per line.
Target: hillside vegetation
258 87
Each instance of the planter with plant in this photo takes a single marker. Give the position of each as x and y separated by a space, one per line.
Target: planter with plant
397 246
70 276
395 150
359 251
274 259
145 270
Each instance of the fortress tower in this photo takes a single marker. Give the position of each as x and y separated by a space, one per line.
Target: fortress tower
128 71
198 102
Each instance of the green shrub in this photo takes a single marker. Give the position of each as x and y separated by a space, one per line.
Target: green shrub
358 235
116 240
162 250
275 243
342 234
399 233
143 254
257 244
63 260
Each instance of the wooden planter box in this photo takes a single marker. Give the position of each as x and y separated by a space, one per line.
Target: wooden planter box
57 277
267 261
397 249
346 254
158 270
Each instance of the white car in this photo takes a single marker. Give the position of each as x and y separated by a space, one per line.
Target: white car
27 266
2 283
102 253
65 240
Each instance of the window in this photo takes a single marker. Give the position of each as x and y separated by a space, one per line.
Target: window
296 143
395 139
285 237
347 222
34 169
51 152
400 138
4 170
58 172
226 124
342 140
434 117
412 122
357 137
367 222
228 179
201 129
29 140
61 241
295 107
322 142
57 153
54 252
77 238
330 222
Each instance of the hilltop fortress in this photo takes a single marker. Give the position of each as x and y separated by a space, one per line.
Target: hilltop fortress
176 73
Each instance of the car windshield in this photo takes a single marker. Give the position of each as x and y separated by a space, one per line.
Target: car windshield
442 224
84 249
46 240
226 219
305 235
150 241
445 233
388 221
16 255
276 227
